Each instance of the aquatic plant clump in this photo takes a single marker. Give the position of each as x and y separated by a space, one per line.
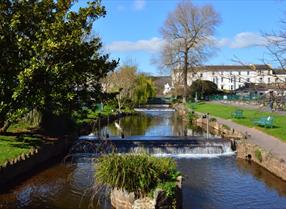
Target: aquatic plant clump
138 173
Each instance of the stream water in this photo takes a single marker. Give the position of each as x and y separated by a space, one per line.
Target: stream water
210 181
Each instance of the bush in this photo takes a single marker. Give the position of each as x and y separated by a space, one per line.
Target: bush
138 173
212 119
258 155
202 89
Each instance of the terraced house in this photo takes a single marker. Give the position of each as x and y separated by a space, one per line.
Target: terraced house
232 77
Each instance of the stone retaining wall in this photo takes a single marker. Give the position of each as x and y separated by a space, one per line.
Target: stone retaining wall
245 149
121 199
26 164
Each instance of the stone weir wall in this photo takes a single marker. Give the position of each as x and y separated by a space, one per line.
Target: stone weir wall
25 165
244 148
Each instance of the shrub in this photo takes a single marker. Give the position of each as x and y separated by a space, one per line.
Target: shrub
212 119
138 173
258 155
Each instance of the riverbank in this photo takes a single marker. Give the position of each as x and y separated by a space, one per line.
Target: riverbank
251 143
249 116
23 152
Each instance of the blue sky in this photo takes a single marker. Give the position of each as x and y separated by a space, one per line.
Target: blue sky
131 29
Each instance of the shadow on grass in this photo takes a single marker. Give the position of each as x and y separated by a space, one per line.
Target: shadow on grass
23 140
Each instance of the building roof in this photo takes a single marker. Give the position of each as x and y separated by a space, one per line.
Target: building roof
279 71
232 67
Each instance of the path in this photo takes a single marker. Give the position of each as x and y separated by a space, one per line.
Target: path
265 141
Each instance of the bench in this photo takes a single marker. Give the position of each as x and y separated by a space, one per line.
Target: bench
267 122
237 114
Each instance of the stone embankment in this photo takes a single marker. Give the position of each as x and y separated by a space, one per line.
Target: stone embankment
121 199
244 148
243 143
14 170
21 167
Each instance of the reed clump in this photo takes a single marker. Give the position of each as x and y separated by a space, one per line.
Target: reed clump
138 173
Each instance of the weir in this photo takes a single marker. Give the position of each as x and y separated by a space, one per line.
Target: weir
175 146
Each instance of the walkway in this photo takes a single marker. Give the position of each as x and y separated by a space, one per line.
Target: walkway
265 141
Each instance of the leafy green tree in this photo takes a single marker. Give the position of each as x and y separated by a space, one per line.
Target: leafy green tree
58 64
202 88
9 66
144 89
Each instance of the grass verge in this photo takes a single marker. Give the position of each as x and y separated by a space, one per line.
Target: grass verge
250 115
12 146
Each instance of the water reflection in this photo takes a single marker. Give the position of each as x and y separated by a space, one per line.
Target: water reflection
223 183
261 174
153 124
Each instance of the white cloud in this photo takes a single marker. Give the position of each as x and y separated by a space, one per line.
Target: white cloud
152 45
247 39
155 44
139 4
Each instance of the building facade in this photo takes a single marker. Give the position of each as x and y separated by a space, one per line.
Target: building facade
231 77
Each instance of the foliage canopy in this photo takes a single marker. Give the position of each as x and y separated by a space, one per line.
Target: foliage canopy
50 61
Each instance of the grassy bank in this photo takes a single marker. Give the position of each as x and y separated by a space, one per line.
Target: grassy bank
250 115
21 139
14 145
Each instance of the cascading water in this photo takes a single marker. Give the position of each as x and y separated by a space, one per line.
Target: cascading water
187 147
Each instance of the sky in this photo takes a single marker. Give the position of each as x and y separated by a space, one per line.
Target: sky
131 29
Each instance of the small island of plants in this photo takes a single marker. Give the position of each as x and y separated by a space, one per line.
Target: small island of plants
139 175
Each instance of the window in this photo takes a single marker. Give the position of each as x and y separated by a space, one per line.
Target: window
231 87
269 80
213 73
201 75
221 79
230 73
261 79
239 79
239 73
214 80
248 79
247 72
231 80
221 87
276 79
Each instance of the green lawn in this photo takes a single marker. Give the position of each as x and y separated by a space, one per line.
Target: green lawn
12 146
224 111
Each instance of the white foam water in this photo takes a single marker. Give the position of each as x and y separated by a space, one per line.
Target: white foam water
195 156
154 110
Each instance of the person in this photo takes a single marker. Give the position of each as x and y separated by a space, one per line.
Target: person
271 101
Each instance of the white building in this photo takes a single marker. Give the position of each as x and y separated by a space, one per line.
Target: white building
232 77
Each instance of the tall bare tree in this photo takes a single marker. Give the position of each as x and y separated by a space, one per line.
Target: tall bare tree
188 32
276 47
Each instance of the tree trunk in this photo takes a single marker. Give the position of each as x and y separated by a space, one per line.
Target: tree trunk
185 75
5 126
